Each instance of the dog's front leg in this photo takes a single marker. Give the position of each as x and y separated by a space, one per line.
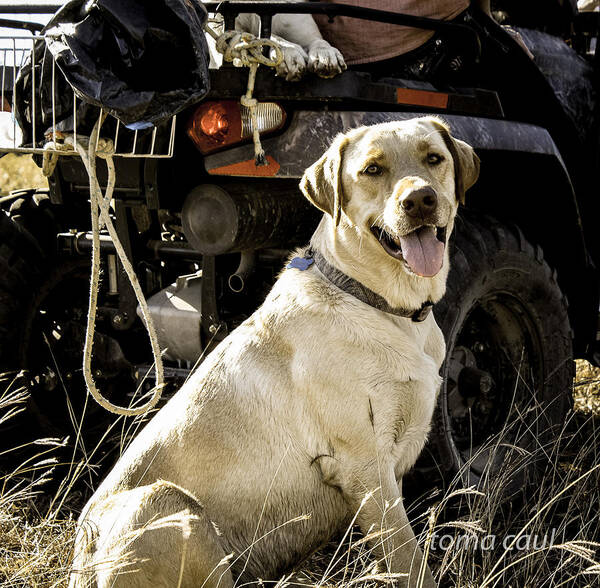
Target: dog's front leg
301 42
383 513
323 59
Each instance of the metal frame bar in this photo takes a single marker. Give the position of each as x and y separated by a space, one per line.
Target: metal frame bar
25 7
32 27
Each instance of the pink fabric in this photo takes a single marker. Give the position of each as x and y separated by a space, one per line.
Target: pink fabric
363 41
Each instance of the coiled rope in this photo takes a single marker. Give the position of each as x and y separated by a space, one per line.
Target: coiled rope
246 50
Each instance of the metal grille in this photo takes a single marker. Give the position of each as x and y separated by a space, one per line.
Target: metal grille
157 142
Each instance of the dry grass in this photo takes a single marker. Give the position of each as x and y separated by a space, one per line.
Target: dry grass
586 396
34 540
37 525
18 172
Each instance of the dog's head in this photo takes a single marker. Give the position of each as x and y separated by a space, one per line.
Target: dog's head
398 185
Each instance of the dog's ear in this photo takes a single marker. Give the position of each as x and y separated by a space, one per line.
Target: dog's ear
322 181
466 162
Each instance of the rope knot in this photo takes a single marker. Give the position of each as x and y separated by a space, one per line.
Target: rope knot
248 102
52 150
105 148
244 49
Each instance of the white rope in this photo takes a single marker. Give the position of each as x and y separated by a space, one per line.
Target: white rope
100 213
244 49
52 151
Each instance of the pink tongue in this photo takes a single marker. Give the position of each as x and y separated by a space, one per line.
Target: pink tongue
423 252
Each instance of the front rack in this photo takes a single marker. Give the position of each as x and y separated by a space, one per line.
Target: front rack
14 53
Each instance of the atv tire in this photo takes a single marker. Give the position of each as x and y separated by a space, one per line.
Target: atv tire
509 368
43 310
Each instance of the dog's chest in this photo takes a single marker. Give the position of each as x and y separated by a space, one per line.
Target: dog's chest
406 433
378 397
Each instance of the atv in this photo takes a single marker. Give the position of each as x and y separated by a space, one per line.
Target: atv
207 230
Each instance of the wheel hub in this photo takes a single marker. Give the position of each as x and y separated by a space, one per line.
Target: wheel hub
470 381
470 389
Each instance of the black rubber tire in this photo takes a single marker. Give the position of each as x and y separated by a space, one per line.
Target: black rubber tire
30 270
24 259
501 295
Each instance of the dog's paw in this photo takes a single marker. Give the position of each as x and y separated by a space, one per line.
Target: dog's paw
324 60
294 62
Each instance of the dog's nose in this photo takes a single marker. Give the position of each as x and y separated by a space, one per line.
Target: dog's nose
420 202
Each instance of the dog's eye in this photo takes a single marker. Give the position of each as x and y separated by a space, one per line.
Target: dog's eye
372 170
434 159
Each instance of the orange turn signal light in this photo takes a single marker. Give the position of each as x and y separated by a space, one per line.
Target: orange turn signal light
215 125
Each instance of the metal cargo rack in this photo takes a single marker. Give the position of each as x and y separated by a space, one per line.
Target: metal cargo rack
15 50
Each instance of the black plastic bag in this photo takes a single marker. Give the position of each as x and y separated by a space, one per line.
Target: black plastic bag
140 60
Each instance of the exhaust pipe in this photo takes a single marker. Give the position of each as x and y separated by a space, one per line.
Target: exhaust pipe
237 280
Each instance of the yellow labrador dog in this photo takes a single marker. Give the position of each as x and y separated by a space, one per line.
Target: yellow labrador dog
322 397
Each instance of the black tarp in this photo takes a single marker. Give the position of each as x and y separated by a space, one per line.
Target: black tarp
140 60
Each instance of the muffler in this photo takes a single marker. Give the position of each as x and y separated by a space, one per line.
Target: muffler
216 221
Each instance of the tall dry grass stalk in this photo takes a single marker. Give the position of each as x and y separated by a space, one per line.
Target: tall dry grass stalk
547 537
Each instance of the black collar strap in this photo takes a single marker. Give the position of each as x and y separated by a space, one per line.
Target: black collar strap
360 291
